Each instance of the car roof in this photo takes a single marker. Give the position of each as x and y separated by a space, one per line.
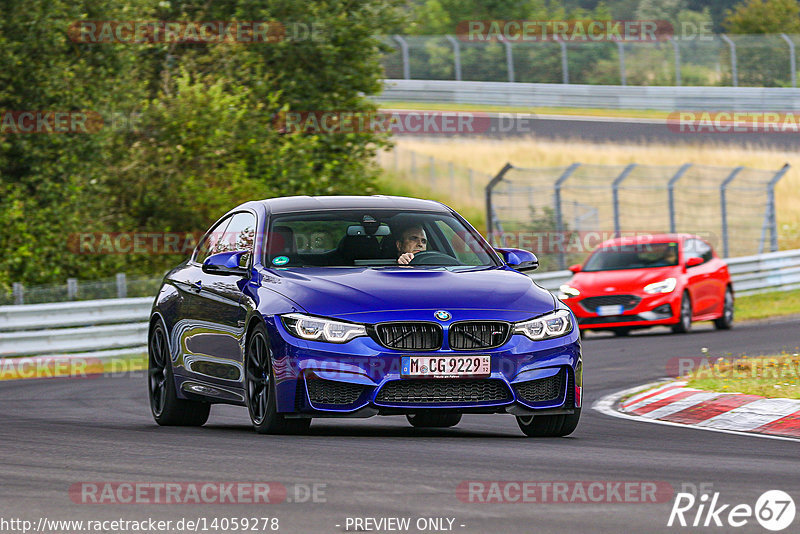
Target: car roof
309 203
647 238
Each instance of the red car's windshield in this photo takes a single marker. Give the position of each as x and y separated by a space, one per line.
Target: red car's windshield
640 256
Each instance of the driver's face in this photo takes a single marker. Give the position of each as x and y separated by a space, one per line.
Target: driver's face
413 240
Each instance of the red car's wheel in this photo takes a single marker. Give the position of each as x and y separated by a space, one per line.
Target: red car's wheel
725 322
685 322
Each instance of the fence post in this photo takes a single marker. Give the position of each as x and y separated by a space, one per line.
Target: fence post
769 215
72 288
404 54
562 259
792 65
451 170
615 191
19 293
724 207
122 286
622 75
490 215
671 189
564 64
432 171
732 46
677 50
456 56
413 165
509 57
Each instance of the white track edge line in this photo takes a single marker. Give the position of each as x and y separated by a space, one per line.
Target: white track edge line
605 405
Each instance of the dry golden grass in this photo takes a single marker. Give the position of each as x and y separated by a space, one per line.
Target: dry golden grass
489 155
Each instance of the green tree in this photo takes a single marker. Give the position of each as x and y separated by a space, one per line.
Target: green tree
763 16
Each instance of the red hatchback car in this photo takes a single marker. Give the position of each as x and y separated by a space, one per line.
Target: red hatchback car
638 282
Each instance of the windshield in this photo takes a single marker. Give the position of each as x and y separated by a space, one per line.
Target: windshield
373 238
640 256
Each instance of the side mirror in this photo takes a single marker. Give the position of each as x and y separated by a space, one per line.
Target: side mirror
521 260
575 268
692 262
227 263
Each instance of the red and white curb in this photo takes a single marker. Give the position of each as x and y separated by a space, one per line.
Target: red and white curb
674 404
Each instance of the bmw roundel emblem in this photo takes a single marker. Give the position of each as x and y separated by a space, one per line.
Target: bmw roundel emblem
442 315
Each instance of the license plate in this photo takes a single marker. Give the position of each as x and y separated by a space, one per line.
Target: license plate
616 309
445 366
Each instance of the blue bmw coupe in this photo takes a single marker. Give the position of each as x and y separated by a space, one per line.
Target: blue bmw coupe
305 307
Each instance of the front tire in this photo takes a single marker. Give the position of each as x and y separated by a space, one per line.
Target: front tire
725 322
260 389
431 419
166 407
549 426
685 322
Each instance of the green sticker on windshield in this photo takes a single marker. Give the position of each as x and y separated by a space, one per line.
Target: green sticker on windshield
280 260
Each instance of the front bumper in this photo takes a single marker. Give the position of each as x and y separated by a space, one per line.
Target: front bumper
651 310
362 378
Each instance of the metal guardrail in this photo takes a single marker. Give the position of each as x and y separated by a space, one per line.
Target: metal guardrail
667 98
775 271
112 327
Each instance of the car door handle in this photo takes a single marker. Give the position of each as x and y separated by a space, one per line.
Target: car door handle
196 286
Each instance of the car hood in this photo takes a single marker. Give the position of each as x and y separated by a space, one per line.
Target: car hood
347 292
621 281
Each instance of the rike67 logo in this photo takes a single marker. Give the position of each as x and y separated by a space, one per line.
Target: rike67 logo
774 510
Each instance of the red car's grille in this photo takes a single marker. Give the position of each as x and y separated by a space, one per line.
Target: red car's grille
628 302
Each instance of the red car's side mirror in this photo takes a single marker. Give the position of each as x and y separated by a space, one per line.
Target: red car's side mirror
691 262
575 268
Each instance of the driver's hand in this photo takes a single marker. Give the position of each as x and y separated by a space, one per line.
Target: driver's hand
405 258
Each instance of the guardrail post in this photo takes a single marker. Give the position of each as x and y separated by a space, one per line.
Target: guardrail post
18 291
732 46
677 50
122 286
490 215
622 75
456 56
615 191
769 215
72 288
724 207
509 57
404 53
671 190
564 64
562 259
792 64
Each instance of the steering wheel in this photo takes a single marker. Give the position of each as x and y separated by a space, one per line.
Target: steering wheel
433 257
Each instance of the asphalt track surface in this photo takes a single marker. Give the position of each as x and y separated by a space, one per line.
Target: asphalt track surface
608 130
57 432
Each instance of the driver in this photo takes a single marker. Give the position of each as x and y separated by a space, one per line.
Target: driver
412 240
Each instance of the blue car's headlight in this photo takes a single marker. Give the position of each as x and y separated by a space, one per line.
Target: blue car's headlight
554 324
319 329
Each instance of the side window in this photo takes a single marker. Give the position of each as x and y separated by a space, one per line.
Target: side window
464 252
694 248
239 235
211 241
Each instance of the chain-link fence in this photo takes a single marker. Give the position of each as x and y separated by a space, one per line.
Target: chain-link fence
121 286
564 212
701 60
431 176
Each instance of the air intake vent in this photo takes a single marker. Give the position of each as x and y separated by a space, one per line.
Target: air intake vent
478 335
331 392
628 302
541 390
432 391
410 336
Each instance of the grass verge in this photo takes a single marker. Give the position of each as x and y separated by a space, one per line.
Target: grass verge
585 112
766 305
766 376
